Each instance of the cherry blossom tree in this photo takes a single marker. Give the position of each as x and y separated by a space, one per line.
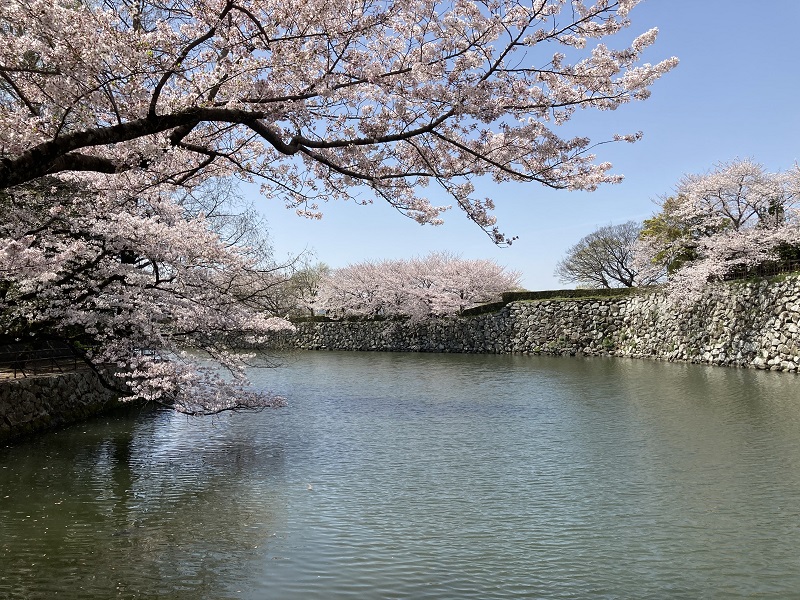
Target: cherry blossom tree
316 100
144 287
116 114
605 259
728 220
435 285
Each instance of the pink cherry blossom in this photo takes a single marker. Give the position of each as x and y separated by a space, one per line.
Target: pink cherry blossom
115 115
735 216
435 285
316 100
144 287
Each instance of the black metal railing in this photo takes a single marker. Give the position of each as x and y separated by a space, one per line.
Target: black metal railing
23 359
768 269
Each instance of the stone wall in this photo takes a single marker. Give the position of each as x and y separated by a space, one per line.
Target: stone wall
746 324
735 324
36 403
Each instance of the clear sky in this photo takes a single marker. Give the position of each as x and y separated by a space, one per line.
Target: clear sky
735 94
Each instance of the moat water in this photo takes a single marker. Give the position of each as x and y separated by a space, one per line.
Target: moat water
424 476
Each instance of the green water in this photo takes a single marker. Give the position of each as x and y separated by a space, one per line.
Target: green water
424 476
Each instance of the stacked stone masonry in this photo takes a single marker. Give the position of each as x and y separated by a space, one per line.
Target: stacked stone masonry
736 324
745 324
32 404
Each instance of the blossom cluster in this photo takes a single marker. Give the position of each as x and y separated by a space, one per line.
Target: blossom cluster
134 282
317 100
114 114
734 217
435 285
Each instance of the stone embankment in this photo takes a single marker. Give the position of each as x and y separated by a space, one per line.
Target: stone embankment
745 324
734 324
37 403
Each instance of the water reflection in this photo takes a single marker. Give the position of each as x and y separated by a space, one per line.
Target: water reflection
424 476
134 508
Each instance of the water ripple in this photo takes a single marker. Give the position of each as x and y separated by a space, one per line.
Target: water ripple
420 476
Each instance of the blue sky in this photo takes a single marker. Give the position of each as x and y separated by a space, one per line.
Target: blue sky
735 94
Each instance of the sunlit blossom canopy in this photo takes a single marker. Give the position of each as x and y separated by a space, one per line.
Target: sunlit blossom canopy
316 100
119 119
732 218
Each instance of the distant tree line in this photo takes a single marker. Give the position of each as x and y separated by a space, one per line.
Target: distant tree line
438 284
